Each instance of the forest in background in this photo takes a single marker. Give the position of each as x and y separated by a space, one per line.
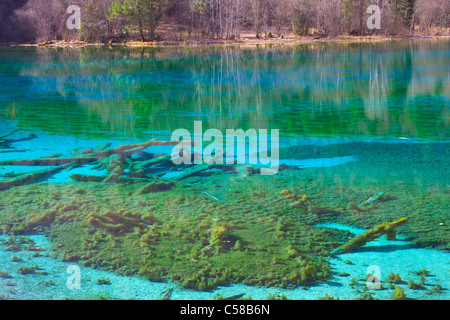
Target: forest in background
184 20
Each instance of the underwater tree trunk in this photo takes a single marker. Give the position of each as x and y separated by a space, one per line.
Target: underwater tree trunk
386 228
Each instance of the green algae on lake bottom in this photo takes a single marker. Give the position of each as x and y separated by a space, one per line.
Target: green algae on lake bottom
258 233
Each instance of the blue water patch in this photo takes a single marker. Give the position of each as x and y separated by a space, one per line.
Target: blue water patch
64 176
319 162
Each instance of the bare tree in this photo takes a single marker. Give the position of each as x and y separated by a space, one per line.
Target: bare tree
8 31
328 15
47 18
41 20
95 22
432 14
282 15
354 16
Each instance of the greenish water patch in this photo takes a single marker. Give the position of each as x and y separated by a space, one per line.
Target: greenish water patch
383 89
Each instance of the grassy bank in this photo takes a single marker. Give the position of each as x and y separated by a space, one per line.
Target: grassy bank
245 41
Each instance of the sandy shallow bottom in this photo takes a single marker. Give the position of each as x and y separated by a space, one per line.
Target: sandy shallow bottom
381 256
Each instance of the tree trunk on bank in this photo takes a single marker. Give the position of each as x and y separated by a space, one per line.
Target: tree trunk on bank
141 31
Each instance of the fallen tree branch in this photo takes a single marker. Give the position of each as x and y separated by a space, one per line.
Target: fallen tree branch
47 161
29 178
386 228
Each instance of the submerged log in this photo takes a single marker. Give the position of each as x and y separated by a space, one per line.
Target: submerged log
47 161
102 147
198 169
137 166
89 155
201 168
372 199
8 134
52 156
157 186
86 178
126 151
234 297
28 178
92 178
387 228
112 159
119 159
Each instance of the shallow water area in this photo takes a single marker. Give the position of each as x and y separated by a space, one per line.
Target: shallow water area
51 279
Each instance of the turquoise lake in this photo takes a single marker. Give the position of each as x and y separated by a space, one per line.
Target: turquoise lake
364 138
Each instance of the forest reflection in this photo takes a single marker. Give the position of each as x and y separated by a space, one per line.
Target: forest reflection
382 89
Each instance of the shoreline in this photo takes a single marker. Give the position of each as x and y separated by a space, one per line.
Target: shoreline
250 41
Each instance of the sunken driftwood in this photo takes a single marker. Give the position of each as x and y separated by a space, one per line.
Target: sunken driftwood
29 178
114 160
120 165
387 228
2 138
5 143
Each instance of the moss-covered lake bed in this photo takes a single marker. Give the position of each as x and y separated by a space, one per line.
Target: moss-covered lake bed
208 234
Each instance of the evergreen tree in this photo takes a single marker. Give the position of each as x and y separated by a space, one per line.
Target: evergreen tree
403 11
138 14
